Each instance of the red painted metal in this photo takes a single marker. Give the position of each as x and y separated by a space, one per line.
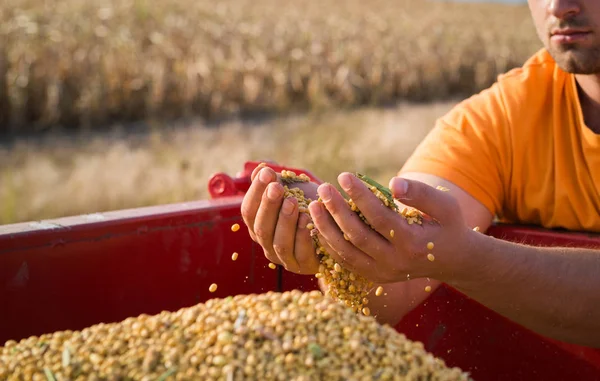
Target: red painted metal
73 272
77 271
469 335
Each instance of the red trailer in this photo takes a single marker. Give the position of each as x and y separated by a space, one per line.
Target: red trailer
73 272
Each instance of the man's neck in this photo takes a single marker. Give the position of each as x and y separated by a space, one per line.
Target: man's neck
588 87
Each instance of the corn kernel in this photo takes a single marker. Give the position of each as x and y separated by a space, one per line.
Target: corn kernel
234 256
272 265
235 227
430 245
366 311
213 287
427 288
476 228
379 291
431 257
310 226
392 233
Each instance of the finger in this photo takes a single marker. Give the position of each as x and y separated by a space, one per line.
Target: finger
285 234
267 215
436 203
342 251
304 249
263 164
256 170
380 217
252 198
271 256
357 232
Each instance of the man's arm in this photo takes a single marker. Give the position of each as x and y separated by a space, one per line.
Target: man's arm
554 291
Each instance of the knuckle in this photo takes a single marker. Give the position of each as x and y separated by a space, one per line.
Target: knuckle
270 256
261 233
281 250
378 221
246 211
356 235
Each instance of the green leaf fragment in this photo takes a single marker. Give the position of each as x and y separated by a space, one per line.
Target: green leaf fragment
387 192
316 350
166 374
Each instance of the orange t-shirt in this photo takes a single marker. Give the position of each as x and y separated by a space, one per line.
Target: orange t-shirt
522 149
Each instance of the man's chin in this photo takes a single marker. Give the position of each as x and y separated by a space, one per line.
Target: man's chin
577 61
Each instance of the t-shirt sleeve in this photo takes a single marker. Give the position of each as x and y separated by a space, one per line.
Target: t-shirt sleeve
469 146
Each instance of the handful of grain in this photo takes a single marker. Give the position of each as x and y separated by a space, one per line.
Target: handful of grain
272 336
343 285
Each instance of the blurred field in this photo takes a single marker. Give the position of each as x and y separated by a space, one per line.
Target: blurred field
59 177
89 64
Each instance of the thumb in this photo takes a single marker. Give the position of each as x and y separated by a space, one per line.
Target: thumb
436 203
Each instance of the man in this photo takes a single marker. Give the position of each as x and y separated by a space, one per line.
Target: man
526 150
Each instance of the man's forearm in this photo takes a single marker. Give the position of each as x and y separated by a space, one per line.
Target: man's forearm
553 291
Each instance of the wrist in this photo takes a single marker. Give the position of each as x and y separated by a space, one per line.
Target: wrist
472 262
454 260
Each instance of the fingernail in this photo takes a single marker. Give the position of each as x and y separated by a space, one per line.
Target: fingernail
325 192
345 181
399 186
264 175
315 209
273 192
288 207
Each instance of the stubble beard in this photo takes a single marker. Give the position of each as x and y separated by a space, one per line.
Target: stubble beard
576 59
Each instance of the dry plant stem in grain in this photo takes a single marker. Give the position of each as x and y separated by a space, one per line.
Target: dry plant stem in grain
291 336
343 285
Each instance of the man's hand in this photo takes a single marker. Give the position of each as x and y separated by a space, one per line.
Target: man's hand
277 225
376 254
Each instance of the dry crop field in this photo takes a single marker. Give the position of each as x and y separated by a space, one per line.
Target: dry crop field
86 64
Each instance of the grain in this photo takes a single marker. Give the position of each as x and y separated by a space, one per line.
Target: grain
287 336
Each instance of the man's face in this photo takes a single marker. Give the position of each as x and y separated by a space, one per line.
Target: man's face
570 31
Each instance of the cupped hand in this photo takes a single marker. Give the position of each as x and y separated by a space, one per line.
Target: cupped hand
392 250
277 225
